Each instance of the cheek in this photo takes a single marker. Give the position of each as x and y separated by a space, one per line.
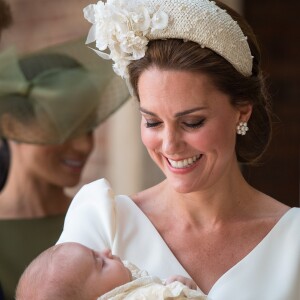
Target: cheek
33 155
53 152
123 276
47 159
47 156
203 140
220 137
211 138
149 138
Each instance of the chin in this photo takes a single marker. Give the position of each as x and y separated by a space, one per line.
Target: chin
182 187
71 184
68 181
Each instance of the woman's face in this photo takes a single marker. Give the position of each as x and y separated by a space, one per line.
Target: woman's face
188 127
59 165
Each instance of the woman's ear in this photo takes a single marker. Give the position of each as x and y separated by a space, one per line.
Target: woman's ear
245 112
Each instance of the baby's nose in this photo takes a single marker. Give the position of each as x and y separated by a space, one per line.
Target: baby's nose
107 253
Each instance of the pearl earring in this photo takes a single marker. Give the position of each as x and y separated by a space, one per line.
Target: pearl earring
242 128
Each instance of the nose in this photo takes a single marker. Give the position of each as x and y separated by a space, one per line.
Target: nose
107 253
171 141
83 143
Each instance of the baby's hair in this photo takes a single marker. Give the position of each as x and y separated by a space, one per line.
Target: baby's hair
42 281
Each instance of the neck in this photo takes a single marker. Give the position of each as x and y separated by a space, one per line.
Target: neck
25 196
225 200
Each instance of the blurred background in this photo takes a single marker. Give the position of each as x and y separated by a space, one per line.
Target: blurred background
118 150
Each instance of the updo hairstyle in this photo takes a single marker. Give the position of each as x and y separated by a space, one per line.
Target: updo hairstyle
176 54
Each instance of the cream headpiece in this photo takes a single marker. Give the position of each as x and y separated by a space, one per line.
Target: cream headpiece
126 26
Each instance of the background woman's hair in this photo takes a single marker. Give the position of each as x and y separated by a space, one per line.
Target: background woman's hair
5 21
5 15
176 54
31 67
4 162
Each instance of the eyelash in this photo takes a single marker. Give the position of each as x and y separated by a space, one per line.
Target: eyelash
154 124
190 125
195 125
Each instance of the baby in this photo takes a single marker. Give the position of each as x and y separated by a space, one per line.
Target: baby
73 271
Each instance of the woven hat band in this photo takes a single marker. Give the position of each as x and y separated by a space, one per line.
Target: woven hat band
125 27
208 25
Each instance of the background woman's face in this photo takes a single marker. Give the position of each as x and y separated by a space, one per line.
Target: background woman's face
60 165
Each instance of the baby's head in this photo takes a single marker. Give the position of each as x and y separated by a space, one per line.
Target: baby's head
71 271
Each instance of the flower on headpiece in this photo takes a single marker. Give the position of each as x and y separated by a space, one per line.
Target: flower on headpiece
159 21
121 26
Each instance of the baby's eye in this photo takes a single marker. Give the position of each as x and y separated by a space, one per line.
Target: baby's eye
98 259
196 124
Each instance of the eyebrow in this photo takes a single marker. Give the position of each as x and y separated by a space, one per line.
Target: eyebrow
179 114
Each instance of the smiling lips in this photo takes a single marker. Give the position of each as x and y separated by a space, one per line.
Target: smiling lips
185 163
74 163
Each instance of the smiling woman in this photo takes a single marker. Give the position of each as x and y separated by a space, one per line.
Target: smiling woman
195 68
49 107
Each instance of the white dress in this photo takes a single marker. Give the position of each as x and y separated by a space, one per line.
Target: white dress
99 219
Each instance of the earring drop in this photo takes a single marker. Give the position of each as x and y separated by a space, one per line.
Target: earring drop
242 128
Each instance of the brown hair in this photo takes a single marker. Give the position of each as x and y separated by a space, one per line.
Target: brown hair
5 15
176 54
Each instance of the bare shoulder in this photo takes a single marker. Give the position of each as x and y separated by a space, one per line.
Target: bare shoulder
148 193
149 197
268 207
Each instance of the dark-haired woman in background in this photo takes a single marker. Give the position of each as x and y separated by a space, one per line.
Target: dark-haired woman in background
49 107
5 22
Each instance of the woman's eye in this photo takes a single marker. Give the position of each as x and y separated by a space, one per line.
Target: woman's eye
194 124
152 124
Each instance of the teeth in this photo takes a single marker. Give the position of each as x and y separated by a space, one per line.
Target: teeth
180 164
73 163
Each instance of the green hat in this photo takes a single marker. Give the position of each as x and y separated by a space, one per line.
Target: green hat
56 94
